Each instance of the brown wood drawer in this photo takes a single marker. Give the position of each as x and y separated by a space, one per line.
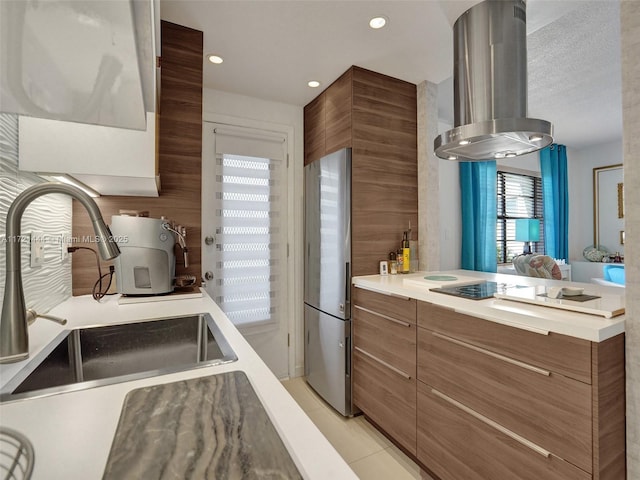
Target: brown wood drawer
392 341
388 398
397 307
457 443
551 410
558 353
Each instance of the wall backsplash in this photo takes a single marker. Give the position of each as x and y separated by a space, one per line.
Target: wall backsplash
48 285
180 158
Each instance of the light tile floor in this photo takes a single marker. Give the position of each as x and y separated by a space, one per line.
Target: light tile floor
369 453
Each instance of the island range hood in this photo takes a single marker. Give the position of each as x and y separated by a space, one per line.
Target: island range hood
490 87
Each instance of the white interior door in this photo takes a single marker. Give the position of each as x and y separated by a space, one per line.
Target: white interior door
244 224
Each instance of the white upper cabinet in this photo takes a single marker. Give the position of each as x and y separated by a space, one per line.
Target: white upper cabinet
112 161
74 60
82 74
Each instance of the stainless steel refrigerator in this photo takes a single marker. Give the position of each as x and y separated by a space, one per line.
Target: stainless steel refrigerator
327 279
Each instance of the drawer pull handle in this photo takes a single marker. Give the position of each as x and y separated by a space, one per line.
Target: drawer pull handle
383 363
391 319
511 361
523 441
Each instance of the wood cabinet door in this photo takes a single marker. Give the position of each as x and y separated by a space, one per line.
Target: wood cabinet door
314 129
551 410
384 362
457 443
387 397
394 306
384 185
391 341
558 353
338 113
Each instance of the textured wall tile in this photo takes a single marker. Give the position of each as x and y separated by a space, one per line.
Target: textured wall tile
46 286
428 178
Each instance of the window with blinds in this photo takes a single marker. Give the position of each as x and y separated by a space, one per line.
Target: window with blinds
519 196
250 255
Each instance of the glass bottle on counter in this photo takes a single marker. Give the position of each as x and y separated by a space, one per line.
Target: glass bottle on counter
399 261
393 264
406 253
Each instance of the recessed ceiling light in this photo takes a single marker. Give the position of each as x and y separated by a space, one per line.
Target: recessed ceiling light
314 84
215 59
378 22
536 137
464 142
452 157
510 155
499 155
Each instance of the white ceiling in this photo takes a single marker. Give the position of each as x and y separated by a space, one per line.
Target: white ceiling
271 49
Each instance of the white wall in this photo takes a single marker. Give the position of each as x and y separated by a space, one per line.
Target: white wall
231 108
580 166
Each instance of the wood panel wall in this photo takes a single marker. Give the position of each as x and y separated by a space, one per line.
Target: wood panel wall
179 158
376 115
385 164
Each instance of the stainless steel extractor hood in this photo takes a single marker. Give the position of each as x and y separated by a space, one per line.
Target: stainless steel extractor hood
490 87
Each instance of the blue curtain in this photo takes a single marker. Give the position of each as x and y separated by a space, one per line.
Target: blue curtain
478 190
555 192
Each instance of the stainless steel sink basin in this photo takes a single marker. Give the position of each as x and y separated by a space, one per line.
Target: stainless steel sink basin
95 356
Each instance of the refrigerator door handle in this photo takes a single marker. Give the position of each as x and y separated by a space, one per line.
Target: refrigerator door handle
347 363
347 286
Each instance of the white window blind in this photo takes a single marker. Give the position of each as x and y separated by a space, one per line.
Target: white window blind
519 196
250 257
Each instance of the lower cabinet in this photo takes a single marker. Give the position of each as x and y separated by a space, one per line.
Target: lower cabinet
455 442
387 397
476 400
548 409
497 402
384 363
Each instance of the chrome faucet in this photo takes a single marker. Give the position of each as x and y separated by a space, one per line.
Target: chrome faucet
14 336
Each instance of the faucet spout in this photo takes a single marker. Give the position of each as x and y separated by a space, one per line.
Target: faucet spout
14 336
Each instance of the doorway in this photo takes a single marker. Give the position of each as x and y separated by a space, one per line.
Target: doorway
245 252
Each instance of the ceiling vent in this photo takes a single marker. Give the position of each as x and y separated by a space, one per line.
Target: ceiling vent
490 87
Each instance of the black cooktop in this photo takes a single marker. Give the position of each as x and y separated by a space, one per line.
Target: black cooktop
476 291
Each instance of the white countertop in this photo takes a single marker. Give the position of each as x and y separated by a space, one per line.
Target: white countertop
72 432
540 319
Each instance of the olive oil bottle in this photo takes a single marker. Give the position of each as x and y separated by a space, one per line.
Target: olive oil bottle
406 253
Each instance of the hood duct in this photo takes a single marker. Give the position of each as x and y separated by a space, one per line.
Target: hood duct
490 87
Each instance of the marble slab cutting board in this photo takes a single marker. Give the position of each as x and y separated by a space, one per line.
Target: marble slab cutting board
204 428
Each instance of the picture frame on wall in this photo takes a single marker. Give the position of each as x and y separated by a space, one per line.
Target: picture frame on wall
621 200
608 205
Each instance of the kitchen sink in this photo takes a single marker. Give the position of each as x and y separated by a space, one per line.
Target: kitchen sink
94 356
